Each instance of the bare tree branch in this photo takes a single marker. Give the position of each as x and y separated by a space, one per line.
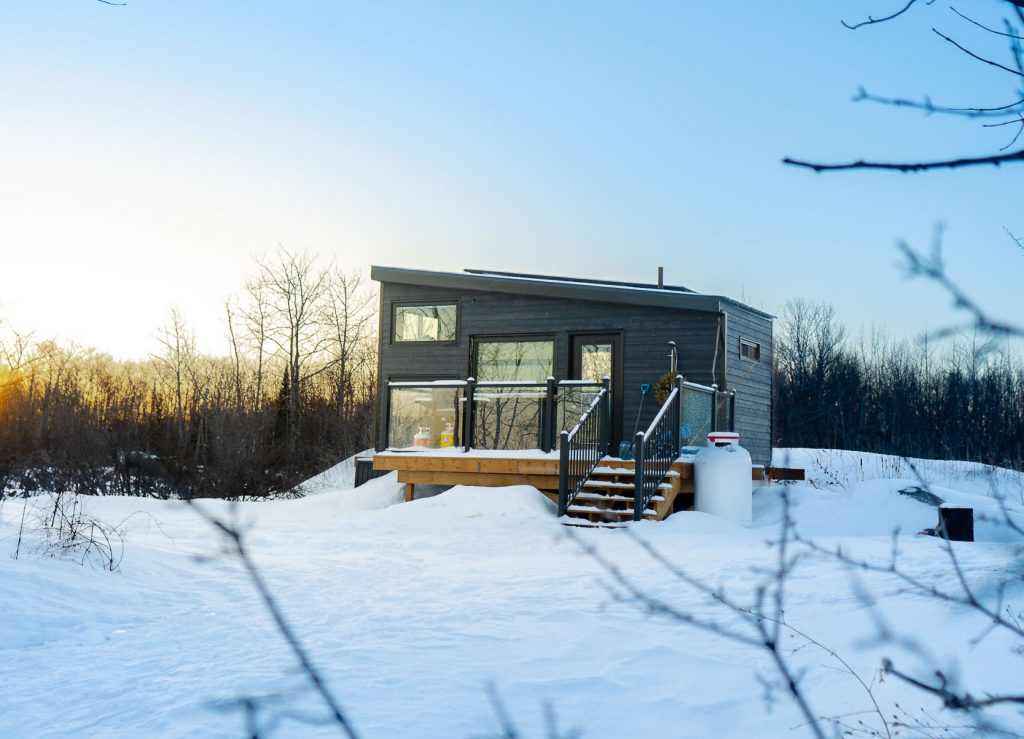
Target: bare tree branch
951 699
976 56
933 268
929 107
1014 108
1016 239
871 21
979 25
1019 121
234 538
995 160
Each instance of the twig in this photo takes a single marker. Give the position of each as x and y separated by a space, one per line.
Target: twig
766 622
951 699
979 25
1019 121
970 53
871 21
1016 239
933 269
233 535
929 107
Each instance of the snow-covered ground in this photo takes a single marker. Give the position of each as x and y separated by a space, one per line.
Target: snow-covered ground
412 610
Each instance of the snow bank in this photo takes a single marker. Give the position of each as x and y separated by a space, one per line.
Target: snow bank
837 467
411 610
341 476
859 494
502 506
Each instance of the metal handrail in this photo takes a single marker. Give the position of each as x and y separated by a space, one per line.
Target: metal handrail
656 449
582 448
661 412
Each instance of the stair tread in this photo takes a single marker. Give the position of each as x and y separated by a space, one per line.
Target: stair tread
614 511
591 495
592 483
586 524
625 471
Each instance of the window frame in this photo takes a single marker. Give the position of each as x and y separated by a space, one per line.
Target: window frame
756 346
475 341
396 304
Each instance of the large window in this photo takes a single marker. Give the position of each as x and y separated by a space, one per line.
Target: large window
425 322
514 360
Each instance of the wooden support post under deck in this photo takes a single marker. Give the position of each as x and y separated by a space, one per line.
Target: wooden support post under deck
408 491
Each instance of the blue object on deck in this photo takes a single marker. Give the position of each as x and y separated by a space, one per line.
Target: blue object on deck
626 449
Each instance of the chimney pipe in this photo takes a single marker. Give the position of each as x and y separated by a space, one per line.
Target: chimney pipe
661 277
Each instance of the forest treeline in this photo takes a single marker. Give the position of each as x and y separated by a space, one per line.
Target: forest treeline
295 394
959 398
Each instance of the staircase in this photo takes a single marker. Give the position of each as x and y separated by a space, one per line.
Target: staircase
607 497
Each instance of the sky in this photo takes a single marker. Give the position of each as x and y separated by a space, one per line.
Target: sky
149 153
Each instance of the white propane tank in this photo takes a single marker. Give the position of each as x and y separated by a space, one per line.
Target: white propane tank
722 483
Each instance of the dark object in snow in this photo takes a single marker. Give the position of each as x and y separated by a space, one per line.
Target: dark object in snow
922 495
365 471
955 524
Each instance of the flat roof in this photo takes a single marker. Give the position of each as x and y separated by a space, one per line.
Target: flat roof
604 291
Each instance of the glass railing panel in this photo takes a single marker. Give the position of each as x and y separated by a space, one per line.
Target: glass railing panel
725 408
508 416
697 417
425 417
574 399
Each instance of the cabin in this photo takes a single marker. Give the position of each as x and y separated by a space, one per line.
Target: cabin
580 387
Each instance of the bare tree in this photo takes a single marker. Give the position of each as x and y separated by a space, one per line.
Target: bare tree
296 289
256 316
174 362
349 320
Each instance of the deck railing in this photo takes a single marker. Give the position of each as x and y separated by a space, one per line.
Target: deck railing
418 413
583 447
508 415
484 415
704 409
656 449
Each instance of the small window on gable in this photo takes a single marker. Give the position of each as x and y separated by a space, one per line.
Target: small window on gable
425 322
750 350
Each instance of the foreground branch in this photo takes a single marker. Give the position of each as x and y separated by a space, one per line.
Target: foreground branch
995 160
871 21
234 538
951 699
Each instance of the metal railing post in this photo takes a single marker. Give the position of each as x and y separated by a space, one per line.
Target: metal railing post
385 442
563 473
606 424
547 430
468 421
714 407
639 483
677 445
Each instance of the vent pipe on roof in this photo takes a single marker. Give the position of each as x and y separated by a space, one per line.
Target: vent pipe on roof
661 277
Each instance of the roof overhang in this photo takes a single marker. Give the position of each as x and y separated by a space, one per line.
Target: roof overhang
572 290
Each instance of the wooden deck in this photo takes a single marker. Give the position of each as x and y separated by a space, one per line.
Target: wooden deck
606 497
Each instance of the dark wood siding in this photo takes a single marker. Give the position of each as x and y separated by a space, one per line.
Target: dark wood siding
646 331
751 380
